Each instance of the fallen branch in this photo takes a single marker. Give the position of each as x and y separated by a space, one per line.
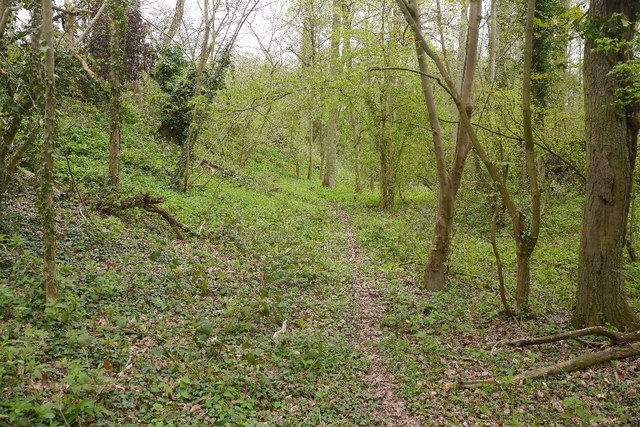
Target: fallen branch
150 204
625 344
616 338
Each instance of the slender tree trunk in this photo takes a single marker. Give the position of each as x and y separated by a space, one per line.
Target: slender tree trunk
449 182
611 138
329 179
493 40
632 229
115 88
356 148
443 45
385 147
310 138
526 238
47 203
5 12
323 148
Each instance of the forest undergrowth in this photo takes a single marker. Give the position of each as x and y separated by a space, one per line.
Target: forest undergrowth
251 321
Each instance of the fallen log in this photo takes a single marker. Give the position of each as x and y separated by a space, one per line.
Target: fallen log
623 345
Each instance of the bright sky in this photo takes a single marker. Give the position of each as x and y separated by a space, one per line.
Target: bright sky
262 22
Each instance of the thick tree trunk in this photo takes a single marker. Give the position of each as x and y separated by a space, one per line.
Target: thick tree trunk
611 141
47 204
329 178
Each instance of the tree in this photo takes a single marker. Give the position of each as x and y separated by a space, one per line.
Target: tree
449 179
118 10
523 232
184 165
47 203
611 138
329 178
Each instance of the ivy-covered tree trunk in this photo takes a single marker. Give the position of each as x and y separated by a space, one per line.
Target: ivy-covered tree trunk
47 203
611 137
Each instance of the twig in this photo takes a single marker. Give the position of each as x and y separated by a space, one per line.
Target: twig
411 70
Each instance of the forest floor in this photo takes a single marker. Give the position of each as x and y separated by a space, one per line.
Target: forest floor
296 305
367 321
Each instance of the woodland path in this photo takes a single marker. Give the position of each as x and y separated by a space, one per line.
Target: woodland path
366 322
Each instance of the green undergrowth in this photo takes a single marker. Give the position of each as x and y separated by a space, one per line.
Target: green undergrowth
435 339
150 330
249 323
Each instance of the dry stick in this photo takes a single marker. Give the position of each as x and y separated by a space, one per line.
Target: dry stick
615 337
574 364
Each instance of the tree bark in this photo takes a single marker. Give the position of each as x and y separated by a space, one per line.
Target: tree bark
329 178
493 40
47 203
115 88
176 21
611 138
449 181
526 237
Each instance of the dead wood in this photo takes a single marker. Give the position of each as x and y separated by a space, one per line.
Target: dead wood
616 338
150 204
624 345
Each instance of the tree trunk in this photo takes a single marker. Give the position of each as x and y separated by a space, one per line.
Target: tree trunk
184 164
115 69
632 230
47 204
493 40
329 178
526 238
448 182
310 150
611 140
356 147
175 23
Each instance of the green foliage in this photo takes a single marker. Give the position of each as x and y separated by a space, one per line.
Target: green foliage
176 77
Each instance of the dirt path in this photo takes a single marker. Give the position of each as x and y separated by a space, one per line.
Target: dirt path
366 321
